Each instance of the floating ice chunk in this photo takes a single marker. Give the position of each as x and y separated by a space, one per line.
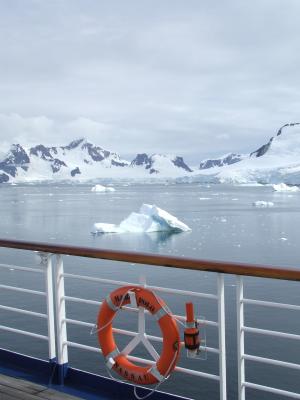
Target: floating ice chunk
261 203
106 228
166 220
149 219
137 222
282 187
204 198
100 188
283 239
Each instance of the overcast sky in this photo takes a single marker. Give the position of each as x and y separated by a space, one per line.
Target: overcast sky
195 78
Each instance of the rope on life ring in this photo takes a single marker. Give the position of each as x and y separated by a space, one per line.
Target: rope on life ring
119 362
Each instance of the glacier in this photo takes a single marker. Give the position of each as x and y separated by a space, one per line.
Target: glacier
278 161
150 218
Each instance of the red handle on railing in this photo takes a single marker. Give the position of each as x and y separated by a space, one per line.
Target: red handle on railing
191 332
189 307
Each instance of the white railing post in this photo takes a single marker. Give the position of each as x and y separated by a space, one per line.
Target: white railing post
61 328
222 341
141 317
240 337
46 262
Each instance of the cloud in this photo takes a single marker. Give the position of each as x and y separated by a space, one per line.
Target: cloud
149 76
41 129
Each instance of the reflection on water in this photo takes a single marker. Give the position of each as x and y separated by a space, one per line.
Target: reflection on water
153 241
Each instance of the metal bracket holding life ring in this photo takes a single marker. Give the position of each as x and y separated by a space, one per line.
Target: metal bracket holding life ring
117 360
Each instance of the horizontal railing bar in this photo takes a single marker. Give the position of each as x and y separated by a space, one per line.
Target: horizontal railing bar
82 346
271 390
158 260
79 300
178 369
21 311
197 373
100 280
271 304
159 339
200 321
142 360
157 288
271 361
132 334
98 303
25 333
271 333
16 267
182 292
18 289
80 323
132 309
116 330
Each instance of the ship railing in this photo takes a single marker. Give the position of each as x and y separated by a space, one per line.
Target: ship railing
51 265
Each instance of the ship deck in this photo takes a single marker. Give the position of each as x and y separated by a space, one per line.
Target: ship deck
15 389
54 376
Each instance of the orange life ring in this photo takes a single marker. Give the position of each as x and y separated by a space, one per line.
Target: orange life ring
115 359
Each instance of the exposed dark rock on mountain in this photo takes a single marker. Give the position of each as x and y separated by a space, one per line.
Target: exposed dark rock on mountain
178 162
262 150
75 171
147 162
73 144
42 152
4 178
57 164
141 159
118 164
17 157
220 162
96 152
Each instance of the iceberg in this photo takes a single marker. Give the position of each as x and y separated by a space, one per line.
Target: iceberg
282 187
100 188
261 203
150 218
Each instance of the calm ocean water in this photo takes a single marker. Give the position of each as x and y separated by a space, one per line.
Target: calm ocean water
225 226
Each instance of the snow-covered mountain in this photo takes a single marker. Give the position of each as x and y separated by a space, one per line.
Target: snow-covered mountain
276 161
82 160
227 159
160 162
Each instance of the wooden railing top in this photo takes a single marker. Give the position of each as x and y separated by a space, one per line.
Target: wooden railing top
291 274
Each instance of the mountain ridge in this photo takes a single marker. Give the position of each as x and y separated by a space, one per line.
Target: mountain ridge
278 160
82 160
